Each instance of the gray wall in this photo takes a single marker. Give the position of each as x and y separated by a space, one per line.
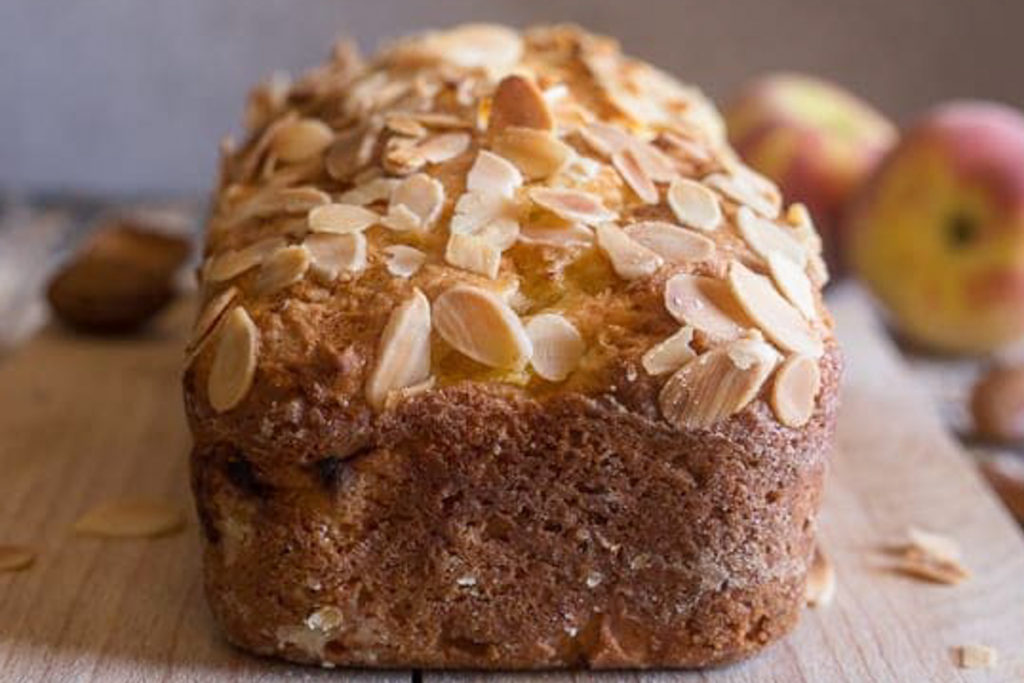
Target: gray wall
123 96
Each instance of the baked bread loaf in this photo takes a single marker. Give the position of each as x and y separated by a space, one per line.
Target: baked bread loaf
504 361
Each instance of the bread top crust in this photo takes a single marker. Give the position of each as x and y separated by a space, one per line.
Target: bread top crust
535 212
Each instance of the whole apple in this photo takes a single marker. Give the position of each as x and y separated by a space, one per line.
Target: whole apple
817 141
938 233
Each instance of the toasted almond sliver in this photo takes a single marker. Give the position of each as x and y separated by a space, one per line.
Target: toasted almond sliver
655 163
341 218
568 235
301 139
767 238
748 189
439 119
670 354
932 569
604 138
537 153
776 317
793 283
519 102
795 390
369 192
487 46
231 264
422 195
493 174
331 255
694 205
933 545
717 383
15 557
474 254
403 354
572 205
401 218
635 175
799 218
480 325
706 304
440 148
283 268
474 210
289 200
403 124
975 656
672 243
821 580
557 346
234 364
404 261
130 518
630 259
211 315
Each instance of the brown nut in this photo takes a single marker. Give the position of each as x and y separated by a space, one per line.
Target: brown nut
997 403
120 278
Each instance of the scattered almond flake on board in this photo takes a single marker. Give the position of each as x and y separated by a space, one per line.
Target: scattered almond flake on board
331 255
130 518
793 283
975 656
572 205
741 189
341 218
557 346
930 556
717 383
403 354
211 315
694 205
706 304
283 268
630 259
301 139
537 153
234 364
16 557
821 580
670 354
933 544
775 316
231 264
480 325
767 238
474 254
672 243
519 102
568 235
403 261
493 174
795 390
401 218
375 190
625 162
403 124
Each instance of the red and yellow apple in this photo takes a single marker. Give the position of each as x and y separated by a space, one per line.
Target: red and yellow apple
938 232
817 141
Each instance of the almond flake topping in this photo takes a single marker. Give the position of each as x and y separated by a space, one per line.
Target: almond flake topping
352 150
271 202
475 211
747 188
130 518
283 268
635 175
519 102
654 162
630 259
403 124
793 283
717 383
795 390
234 364
369 192
799 218
403 155
572 205
537 153
332 255
403 354
15 557
706 304
557 346
976 657
480 325
671 354
401 218
301 139
494 175
404 261
231 264
474 254
567 235
604 138
341 218
821 580
210 316
766 238
441 148
486 46
694 205
422 195
776 317
672 243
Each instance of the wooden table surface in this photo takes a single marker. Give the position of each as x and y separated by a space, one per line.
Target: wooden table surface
84 420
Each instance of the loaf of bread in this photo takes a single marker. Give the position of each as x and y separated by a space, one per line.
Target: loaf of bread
504 360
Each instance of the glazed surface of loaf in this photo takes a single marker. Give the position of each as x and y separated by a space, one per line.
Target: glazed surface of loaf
504 360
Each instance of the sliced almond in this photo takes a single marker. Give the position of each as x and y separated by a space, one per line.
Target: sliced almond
283 268
821 580
932 569
766 238
403 261
403 354
775 316
932 544
403 124
572 205
799 218
301 139
231 264
211 315
494 175
130 518
567 235
795 390
487 46
341 218
234 364
793 283
374 190
519 102
747 188
351 150
706 304
401 218
271 202
537 153
670 354
653 161
604 138
502 233
440 119
672 243
635 175
15 557
976 657
716 384
440 148
475 210
557 346
474 254
694 205
480 325
422 195
630 259
331 255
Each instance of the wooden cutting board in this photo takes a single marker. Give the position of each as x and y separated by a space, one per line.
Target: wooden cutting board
84 420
